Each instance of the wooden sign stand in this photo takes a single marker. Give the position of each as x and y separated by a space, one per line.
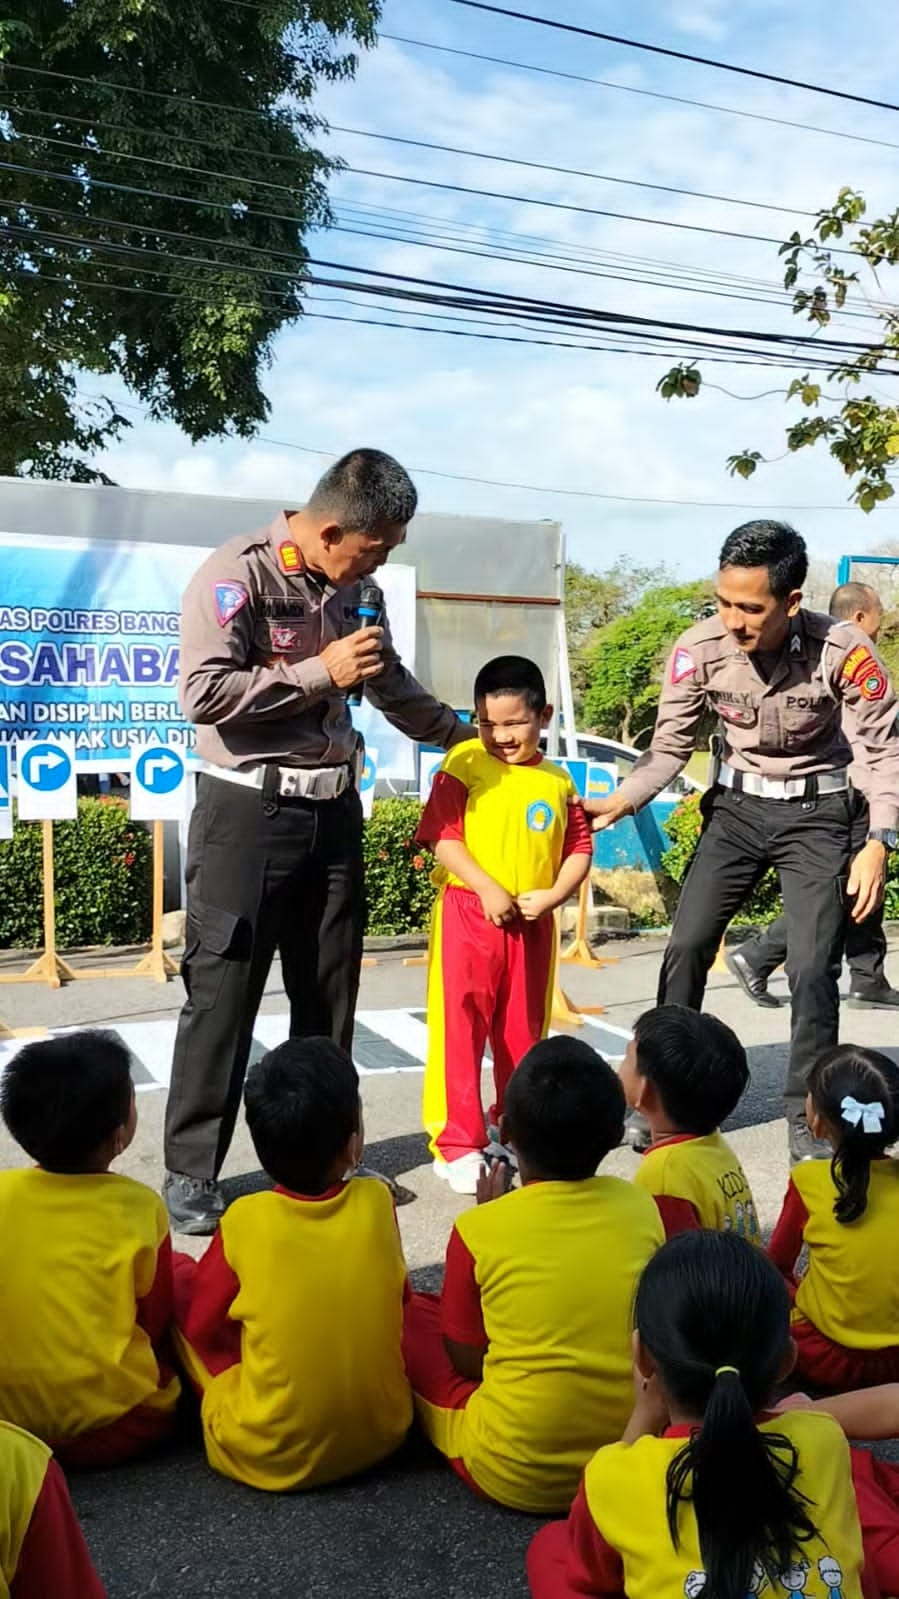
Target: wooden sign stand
156 963
49 967
563 1010
579 951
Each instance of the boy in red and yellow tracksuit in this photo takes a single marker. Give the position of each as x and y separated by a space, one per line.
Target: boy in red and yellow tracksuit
85 1260
513 844
290 1327
43 1554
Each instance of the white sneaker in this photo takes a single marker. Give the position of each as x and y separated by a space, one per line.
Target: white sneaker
462 1174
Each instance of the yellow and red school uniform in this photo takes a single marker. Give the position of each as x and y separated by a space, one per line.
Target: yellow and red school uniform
616 1539
85 1310
490 984
43 1554
846 1306
697 1181
543 1281
290 1327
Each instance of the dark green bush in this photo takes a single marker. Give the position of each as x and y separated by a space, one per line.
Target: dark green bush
398 883
103 879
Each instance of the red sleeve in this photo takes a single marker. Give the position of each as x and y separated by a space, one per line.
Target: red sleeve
156 1311
443 817
578 833
787 1237
461 1318
593 1567
678 1215
204 1321
54 1562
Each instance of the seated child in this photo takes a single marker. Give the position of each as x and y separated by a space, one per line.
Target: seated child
85 1259
708 1489
523 1365
512 845
290 1327
846 1310
43 1554
686 1073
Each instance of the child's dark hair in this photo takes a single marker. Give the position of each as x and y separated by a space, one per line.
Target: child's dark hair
857 1092
696 1064
62 1098
302 1105
714 1314
564 1110
512 674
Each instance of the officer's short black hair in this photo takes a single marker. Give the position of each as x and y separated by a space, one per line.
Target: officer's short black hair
564 1110
775 545
62 1098
302 1105
695 1063
512 674
363 490
851 598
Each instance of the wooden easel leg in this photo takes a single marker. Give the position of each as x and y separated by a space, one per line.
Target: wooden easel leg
578 952
415 960
720 964
156 963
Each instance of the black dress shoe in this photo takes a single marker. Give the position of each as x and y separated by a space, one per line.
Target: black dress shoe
804 1145
751 981
195 1205
885 998
637 1133
399 1194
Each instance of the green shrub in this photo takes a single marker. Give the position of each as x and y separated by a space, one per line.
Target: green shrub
683 828
398 884
103 880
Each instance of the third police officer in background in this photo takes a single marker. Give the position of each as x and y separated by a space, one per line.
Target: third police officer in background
778 677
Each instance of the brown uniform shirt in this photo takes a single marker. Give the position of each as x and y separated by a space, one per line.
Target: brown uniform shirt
253 625
789 726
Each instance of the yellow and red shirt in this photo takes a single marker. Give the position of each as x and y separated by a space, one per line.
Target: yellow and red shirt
699 1182
517 822
43 1554
296 1313
850 1291
85 1301
618 1539
544 1280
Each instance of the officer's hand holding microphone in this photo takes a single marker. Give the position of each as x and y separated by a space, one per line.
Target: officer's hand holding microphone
351 660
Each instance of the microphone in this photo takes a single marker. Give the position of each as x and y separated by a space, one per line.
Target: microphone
368 613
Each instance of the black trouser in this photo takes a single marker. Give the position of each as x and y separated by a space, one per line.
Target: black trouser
291 880
809 844
865 946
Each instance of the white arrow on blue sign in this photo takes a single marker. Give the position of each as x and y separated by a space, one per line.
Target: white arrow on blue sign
367 781
158 789
5 794
46 773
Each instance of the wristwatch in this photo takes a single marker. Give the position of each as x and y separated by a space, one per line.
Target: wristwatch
885 836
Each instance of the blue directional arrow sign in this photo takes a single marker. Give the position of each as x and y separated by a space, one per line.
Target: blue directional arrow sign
45 767
159 771
46 772
367 781
5 796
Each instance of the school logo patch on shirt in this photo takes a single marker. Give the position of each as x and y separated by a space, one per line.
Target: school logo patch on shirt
539 816
284 638
289 556
866 674
229 599
683 666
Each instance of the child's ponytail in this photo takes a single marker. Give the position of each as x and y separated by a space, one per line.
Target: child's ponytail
856 1091
714 1315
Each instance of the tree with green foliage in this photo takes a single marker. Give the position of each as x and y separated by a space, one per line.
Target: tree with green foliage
626 660
860 429
592 600
160 178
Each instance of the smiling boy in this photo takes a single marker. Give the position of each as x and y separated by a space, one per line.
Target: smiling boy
512 844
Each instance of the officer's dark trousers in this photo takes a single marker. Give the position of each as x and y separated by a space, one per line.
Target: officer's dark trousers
865 947
291 881
809 844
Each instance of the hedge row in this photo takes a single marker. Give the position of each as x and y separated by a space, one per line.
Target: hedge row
103 869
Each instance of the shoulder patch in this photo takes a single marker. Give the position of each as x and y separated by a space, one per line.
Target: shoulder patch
864 673
289 557
683 666
229 599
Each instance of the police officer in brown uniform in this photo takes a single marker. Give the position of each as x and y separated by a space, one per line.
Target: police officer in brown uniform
271 646
778 677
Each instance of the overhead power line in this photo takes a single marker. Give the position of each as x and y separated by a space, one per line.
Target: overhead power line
676 55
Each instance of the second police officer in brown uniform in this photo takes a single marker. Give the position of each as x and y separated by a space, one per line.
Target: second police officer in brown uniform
777 676
271 646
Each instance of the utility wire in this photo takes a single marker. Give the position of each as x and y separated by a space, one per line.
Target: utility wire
676 55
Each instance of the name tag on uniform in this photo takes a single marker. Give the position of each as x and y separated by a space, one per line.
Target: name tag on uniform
282 608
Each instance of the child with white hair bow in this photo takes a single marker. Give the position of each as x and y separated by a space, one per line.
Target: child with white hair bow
846 1212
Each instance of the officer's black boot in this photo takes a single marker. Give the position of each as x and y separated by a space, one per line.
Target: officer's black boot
803 1143
195 1205
752 981
882 997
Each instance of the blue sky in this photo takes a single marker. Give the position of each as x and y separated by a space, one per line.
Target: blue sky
569 419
